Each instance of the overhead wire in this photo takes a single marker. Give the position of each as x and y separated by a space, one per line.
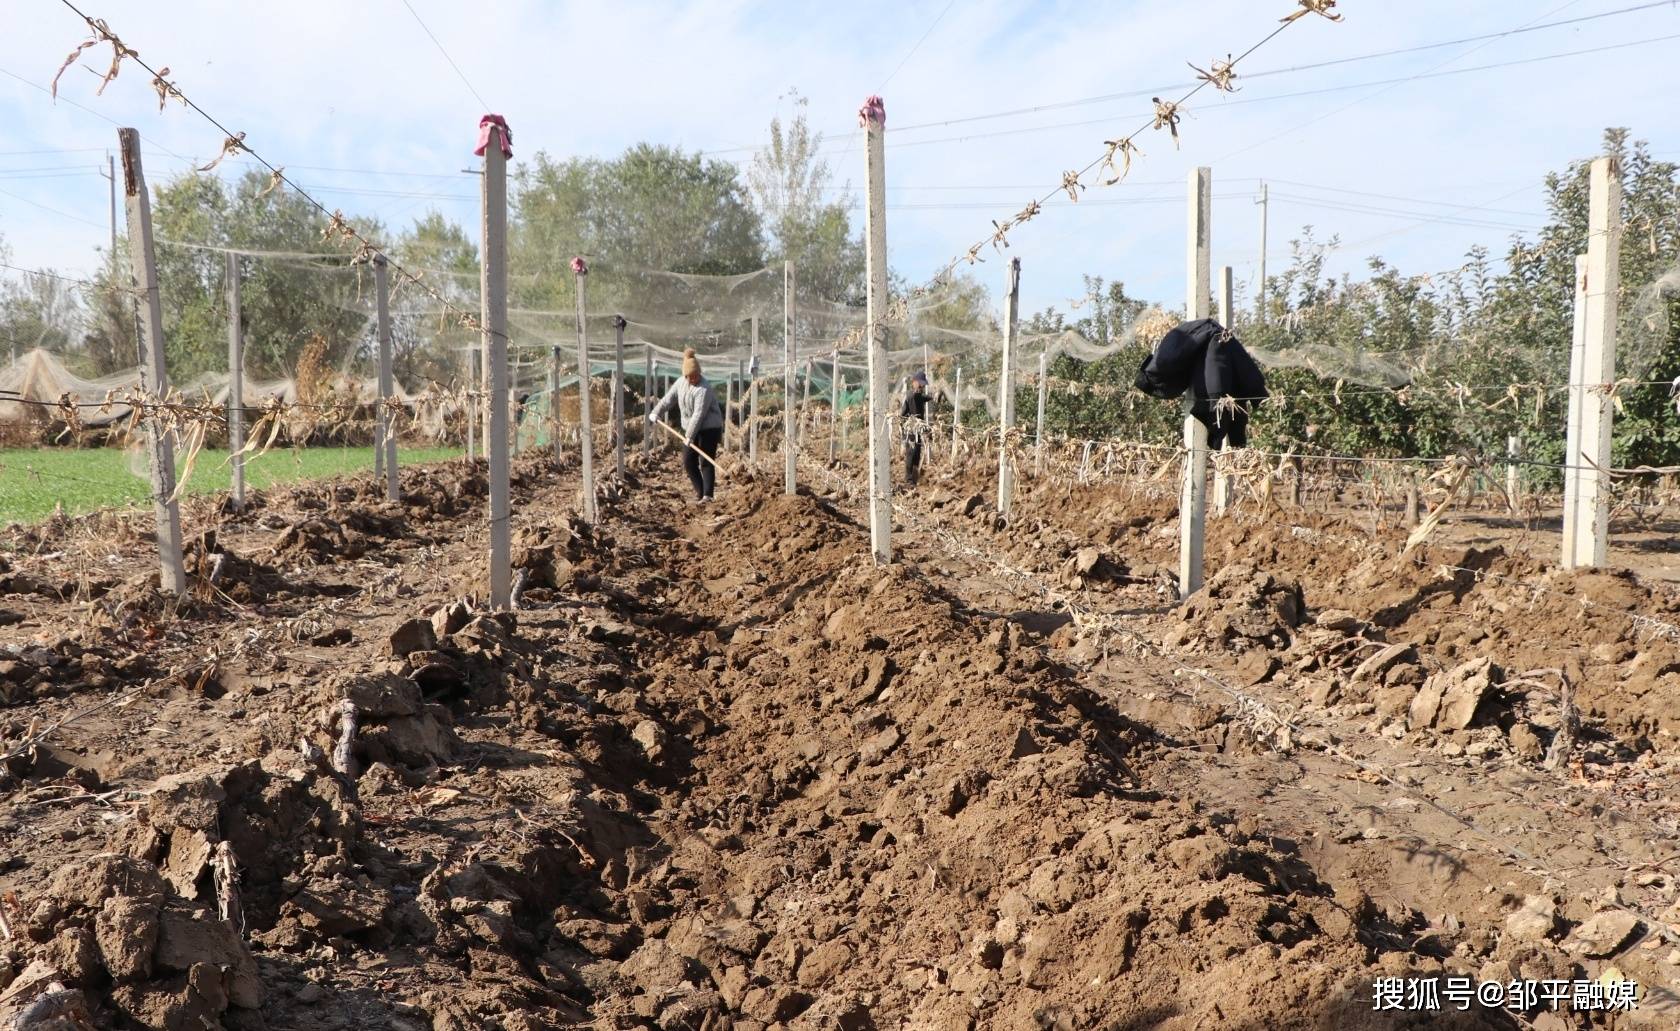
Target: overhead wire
484 104
1181 84
1430 72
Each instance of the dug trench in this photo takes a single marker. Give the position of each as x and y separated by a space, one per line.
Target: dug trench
719 770
1383 711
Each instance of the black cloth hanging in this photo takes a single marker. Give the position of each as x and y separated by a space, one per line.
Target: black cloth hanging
1201 357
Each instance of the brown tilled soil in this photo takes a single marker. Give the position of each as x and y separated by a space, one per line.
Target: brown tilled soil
719 770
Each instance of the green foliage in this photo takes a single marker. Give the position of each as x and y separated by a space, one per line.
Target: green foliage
1395 366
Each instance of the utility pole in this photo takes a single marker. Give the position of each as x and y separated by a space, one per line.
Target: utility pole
1260 291
111 174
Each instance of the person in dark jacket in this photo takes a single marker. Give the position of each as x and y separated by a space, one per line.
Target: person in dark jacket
913 415
701 415
1224 381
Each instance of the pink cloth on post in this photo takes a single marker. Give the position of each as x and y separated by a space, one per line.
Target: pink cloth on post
484 135
873 110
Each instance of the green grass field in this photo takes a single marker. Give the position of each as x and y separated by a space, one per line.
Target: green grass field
33 481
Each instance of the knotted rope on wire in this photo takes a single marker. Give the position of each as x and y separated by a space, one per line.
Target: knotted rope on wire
101 34
230 146
165 89
1319 7
1167 117
1222 77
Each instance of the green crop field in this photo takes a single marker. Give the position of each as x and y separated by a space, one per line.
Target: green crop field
34 481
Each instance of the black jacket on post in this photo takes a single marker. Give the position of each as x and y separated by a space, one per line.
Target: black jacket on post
1212 364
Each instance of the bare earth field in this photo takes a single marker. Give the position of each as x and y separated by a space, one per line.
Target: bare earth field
720 771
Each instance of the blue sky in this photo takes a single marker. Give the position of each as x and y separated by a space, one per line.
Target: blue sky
361 107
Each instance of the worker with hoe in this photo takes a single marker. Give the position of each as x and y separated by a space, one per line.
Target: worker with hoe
913 416
701 415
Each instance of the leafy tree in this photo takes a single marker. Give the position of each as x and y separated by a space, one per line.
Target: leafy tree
788 182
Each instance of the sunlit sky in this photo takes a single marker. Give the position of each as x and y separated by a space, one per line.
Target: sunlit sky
1415 156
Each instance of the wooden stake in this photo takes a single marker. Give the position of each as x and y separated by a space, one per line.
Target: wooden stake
647 401
834 405
385 443
618 394
843 428
154 375
1604 237
236 384
1006 387
1227 312
1513 480
1192 508
752 397
553 398
493 292
1260 288
956 415
586 430
741 399
470 398
1043 397
790 482
1577 401
804 402
875 239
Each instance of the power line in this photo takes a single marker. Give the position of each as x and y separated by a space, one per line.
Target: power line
1368 209
1397 83
236 143
89 110
55 211
918 46
485 104
1405 200
1156 90
893 143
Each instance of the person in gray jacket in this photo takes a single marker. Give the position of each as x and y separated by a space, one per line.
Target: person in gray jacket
701 415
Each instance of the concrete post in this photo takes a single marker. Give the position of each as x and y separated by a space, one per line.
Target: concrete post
1006 387
236 384
1604 238
154 376
1577 400
790 483
874 117
586 429
385 446
1192 508
493 295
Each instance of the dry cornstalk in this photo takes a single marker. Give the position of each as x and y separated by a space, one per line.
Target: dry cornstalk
226 871
344 749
